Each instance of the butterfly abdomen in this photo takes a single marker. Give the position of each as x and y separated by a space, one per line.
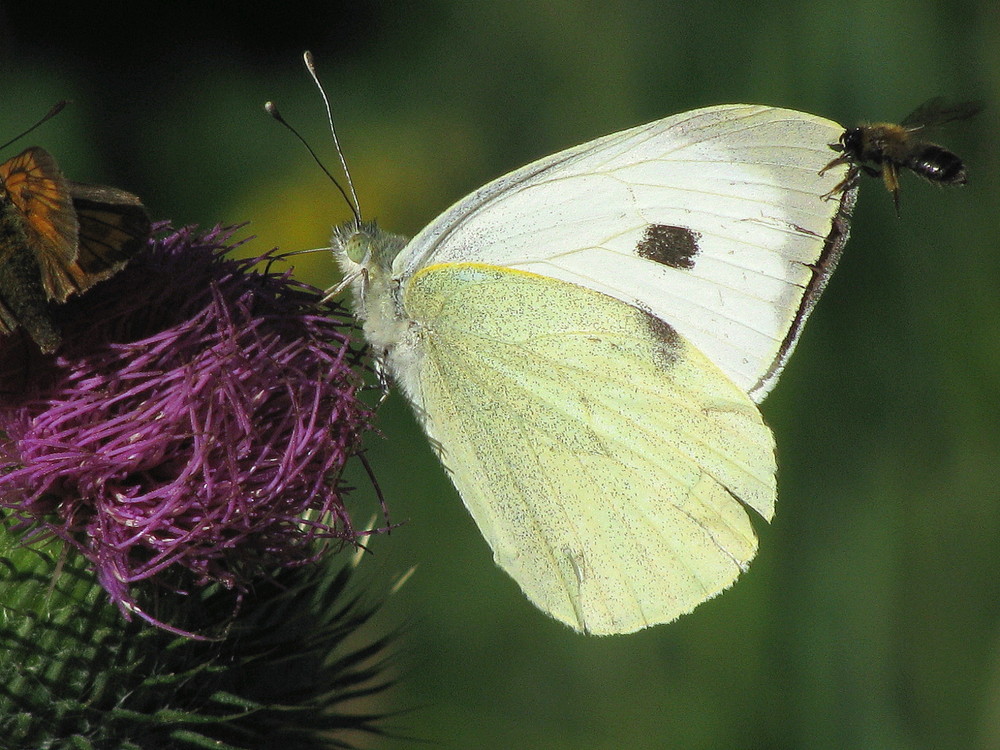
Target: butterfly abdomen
22 297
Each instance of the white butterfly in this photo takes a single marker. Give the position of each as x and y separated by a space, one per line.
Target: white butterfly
585 340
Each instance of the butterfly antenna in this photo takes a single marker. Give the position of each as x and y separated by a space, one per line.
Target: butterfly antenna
272 109
56 109
307 58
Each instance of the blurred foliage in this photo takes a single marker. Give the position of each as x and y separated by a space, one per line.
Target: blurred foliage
870 618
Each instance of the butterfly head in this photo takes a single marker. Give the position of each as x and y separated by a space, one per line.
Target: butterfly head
362 249
365 255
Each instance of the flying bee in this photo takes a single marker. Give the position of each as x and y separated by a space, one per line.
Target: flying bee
883 148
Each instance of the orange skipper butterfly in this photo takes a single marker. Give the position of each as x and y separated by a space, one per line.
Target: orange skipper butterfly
58 238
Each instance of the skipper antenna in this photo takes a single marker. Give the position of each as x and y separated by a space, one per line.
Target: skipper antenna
56 109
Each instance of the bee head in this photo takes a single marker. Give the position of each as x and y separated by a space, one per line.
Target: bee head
850 142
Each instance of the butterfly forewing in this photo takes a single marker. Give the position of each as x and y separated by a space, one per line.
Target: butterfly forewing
39 193
712 220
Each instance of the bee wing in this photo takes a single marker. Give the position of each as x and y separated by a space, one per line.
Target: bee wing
113 226
41 195
938 111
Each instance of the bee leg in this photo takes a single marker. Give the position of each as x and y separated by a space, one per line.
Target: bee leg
890 175
834 163
845 184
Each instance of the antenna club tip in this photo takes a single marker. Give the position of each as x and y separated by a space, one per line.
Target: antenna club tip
272 109
53 111
307 58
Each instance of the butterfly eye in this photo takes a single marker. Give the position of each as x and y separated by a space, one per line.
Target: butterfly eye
357 247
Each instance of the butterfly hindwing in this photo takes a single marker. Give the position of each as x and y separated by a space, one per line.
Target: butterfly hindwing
608 464
113 226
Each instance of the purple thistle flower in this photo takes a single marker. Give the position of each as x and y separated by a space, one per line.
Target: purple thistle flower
193 426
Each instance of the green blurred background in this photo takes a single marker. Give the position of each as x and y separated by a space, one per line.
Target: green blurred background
871 618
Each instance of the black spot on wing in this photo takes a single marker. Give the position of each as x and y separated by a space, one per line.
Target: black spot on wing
672 246
668 342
